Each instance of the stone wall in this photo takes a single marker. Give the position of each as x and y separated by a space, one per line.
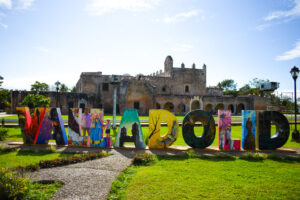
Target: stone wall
66 99
178 89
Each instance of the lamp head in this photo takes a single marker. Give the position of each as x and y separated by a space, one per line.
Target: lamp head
57 83
294 72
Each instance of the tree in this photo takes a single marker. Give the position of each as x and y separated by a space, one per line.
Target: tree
247 90
1 80
64 88
73 89
227 84
255 83
35 100
38 87
231 92
4 98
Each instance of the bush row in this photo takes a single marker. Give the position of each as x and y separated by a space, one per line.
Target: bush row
63 161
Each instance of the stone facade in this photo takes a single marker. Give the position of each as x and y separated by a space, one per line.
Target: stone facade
178 90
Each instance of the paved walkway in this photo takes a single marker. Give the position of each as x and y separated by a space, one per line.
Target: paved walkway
87 180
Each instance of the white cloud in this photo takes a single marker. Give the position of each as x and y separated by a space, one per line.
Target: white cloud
5 26
263 27
100 7
294 12
24 4
291 54
181 16
281 16
5 3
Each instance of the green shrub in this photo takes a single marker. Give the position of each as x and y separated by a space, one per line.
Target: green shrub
143 158
3 133
52 149
32 168
254 157
12 186
71 160
190 154
3 122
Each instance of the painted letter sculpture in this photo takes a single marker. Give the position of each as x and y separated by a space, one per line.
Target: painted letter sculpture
248 129
59 132
265 141
208 135
156 117
36 128
97 125
130 121
74 131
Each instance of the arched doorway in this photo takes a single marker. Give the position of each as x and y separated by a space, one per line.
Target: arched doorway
169 106
219 106
71 104
240 107
231 107
208 107
82 104
157 106
195 105
181 108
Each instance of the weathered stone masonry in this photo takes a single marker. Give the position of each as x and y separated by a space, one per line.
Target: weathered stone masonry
178 90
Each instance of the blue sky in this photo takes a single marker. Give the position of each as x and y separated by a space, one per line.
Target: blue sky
50 40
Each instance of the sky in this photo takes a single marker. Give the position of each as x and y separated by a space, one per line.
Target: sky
50 40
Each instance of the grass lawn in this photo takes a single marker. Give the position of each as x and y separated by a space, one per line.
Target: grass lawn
42 191
23 158
14 134
210 178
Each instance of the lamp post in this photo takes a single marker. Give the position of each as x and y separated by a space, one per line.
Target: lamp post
115 81
57 83
294 72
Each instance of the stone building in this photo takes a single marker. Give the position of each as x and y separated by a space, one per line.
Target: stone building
177 89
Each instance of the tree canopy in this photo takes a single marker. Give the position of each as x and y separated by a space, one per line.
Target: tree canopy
64 88
1 80
4 96
227 84
35 100
73 89
39 86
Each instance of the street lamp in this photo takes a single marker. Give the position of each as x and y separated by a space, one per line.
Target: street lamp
115 81
57 83
294 72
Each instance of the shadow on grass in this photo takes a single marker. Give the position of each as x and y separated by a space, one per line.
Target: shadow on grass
27 152
251 157
191 155
285 159
218 157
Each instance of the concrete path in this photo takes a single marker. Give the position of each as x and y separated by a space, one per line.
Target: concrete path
87 180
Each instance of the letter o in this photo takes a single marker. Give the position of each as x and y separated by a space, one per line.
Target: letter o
188 133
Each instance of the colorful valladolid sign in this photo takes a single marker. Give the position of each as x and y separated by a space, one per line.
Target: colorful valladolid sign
86 128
